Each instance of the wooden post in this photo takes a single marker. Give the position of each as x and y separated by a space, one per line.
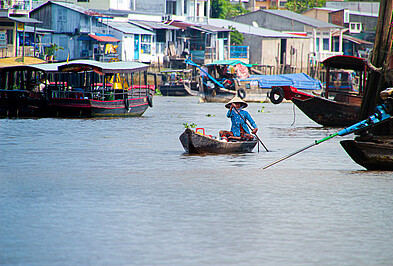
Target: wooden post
155 81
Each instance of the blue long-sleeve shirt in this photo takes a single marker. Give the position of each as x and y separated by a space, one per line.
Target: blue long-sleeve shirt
238 122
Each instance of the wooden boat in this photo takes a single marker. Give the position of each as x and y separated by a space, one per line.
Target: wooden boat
221 80
18 94
376 153
194 142
372 155
80 88
178 82
339 104
224 72
102 89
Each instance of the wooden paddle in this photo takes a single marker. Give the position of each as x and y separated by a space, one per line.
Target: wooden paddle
251 128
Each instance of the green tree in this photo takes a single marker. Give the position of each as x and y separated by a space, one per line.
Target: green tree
219 8
224 9
300 6
236 36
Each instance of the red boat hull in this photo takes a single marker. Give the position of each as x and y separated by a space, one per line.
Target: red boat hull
325 111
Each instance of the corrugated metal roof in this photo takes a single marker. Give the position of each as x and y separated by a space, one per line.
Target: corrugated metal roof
127 28
356 40
213 28
180 24
80 9
248 29
38 30
315 23
104 38
152 25
25 20
103 67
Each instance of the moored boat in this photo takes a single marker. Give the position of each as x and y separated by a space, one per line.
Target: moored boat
372 155
178 82
221 80
339 104
199 143
80 88
20 95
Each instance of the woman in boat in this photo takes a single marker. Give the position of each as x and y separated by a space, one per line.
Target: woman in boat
239 128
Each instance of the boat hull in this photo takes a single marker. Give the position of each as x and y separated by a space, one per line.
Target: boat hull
220 96
196 143
327 112
95 108
17 103
184 89
341 111
370 155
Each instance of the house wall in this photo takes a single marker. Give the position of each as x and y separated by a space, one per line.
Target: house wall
300 53
270 21
68 26
267 51
368 23
319 14
94 4
337 18
125 48
270 51
118 4
63 20
369 7
150 6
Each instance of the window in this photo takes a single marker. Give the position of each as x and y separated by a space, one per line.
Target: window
62 15
10 36
83 1
325 43
171 7
335 43
283 3
146 44
185 6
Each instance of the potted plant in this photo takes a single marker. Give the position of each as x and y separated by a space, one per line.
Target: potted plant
51 50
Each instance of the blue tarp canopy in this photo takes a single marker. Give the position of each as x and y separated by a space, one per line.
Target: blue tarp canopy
300 81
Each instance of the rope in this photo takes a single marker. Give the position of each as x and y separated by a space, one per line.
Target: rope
294 114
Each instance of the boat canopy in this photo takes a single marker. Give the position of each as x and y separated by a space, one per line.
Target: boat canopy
175 70
228 63
345 62
45 67
103 67
300 80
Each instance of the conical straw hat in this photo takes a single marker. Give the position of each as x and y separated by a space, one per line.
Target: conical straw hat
236 99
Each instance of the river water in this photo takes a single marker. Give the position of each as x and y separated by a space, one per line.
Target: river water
122 192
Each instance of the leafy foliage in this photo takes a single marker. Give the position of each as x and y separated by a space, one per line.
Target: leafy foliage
236 36
300 6
224 9
186 125
51 50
